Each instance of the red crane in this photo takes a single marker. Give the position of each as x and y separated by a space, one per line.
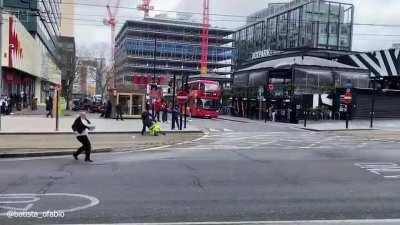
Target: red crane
204 37
145 7
112 22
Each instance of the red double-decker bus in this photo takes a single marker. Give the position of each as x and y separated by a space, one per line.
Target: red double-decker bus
204 98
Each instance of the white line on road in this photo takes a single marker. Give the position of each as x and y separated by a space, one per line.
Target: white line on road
92 200
300 222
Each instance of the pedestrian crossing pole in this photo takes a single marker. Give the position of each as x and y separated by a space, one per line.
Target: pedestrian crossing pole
58 88
1 51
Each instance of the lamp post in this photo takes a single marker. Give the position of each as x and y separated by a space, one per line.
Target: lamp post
373 100
154 73
173 100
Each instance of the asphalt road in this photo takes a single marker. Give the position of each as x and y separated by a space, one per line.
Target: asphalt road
237 172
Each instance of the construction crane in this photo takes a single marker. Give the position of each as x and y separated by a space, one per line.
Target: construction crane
112 22
204 38
145 7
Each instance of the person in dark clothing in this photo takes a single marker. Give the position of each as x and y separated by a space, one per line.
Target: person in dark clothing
25 100
144 116
81 127
118 110
49 107
18 99
175 115
164 111
108 109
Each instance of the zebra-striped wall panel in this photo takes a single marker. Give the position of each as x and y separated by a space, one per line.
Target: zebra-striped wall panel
380 63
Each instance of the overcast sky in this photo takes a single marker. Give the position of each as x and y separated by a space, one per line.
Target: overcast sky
89 28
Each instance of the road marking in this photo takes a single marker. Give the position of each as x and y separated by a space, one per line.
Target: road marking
36 197
384 169
299 222
227 130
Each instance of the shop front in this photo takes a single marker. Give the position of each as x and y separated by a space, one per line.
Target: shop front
132 104
29 72
283 89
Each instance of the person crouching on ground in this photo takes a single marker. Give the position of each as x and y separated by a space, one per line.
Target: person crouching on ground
81 127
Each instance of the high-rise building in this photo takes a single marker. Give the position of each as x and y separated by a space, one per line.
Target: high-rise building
67 18
299 24
163 48
166 47
32 31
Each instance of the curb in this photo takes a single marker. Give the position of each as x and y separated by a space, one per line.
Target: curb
359 129
99 132
48 153
239 121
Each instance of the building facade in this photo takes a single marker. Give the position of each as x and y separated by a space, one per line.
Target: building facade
31 31
288 61
67 18
311 24
161 48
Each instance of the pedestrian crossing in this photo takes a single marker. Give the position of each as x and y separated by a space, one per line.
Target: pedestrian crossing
227 139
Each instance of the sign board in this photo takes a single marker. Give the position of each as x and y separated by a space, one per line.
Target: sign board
348 97
263 53
182 97
155 94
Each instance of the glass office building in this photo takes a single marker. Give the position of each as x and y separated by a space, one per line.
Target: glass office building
314 24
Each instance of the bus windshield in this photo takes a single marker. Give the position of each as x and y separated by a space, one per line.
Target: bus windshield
207 104
208 87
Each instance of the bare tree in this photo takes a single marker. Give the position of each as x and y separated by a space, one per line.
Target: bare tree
97 53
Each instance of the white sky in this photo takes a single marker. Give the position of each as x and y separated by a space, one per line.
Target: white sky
89 28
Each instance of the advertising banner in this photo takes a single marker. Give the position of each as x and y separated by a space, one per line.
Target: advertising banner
19 49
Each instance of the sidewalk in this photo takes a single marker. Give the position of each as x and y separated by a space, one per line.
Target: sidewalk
40 124
338 125
64 144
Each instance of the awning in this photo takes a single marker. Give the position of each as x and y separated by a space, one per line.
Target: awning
288 62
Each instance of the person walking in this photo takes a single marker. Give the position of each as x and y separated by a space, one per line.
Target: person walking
49 107
175 115
118 110
81 127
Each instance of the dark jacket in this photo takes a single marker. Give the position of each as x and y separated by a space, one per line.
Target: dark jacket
49 104
175 112
118 108
78 126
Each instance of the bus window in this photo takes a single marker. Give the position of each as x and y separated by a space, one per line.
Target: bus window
211 87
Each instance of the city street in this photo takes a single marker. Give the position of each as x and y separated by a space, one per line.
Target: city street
238 171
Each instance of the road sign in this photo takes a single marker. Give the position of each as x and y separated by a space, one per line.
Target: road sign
270 87
348 97
182 97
